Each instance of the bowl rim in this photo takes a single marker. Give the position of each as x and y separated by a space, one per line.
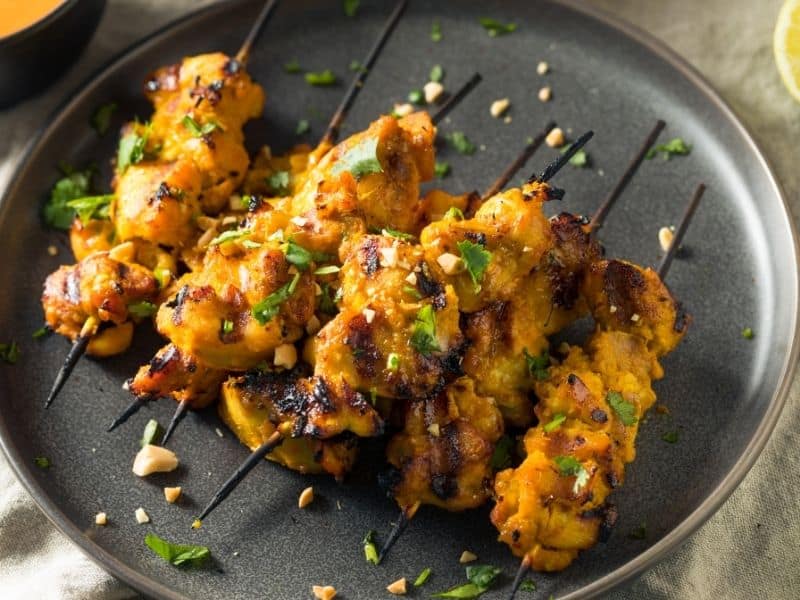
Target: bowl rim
39 25
636 566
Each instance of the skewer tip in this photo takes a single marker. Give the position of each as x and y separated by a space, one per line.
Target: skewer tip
77 350
521 572
129 411
680 232
555 166
180 412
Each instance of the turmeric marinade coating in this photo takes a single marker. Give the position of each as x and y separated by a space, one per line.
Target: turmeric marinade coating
556 502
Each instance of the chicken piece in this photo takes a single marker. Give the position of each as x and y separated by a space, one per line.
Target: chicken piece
243 304
443 454
509 232
397 334
266 174
157 202
96 235
201 106
625 297
174 374
98 286
246 409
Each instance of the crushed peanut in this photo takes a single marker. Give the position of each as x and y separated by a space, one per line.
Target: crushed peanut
299 221
507 120
542 68
369 314
52 250
141 516
172 494
612 309
433 429
450 263
327 592
403 110
124 252
467 557
397 588
665 237
555 139
545 93
635 317
285 356
388 257
101 519
313 325
498 107
412 278
154 459
306 497
433 91
197 524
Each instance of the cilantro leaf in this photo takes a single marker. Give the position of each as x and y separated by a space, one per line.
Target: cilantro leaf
91 207
495 28
436 32
300 257
370 550
9 353
460 142
555 422
101 118
142 309
278 183
671 437
360 160
501 457
43 331
152 433
177 554
74 185
537 365
416 96
454 213
197 129
423 337
639 533
674 147
462 592
356 67
265 311
131 148
327 303
229 236
303 126
398 235
747 333
350 7
624 409
42 462
437 73
482 575
422 577
569 466
441 169
321 78
579 159
476 259
527 586
293 67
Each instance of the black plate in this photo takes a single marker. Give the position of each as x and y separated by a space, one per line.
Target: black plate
724 392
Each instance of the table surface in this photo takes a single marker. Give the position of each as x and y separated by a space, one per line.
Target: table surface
748 549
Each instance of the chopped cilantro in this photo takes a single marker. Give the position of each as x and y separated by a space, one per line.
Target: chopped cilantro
91 207
460 142
412 291
527 586
229 236
197 129
398 235
416 96
74 185
303 127
360 160
555 422
624 409
579 159
393 361
321 78
265 311
278 183
327 270
422 577
293 67
142 309
101 118
747 333
350 7
300 257
370 551
327 303
670 437
42 462
177 554
227 326
639 533
356 67
674 147
501 457
569 466
476 259
152 433
423 337
437 73
495 28
454 213
436 32
441 169
42 332
481 578
537 365
131 148
9 353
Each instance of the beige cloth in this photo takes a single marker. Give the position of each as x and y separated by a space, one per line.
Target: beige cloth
749 549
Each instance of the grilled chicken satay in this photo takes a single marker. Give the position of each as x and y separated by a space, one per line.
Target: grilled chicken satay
556 502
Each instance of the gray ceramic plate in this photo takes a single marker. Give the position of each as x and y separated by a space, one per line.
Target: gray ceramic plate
725 393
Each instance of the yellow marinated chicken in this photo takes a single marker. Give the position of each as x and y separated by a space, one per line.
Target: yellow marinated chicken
98 289
94 235
486 257
443 454
248 404
555 503
201 105
174 374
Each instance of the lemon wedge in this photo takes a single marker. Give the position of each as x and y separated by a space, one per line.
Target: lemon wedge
786 45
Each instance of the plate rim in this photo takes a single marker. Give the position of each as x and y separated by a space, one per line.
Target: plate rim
637 565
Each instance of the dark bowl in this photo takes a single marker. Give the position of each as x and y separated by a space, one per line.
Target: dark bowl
33 57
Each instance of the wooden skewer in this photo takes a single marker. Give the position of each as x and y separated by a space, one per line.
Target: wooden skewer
518 163
691 207
255 31
456 98
558 164
332 133
399 527
521 572
180 412
90 327
130 410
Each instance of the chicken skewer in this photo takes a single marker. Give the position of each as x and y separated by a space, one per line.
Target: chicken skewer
638 322
411 481
353 317
82 341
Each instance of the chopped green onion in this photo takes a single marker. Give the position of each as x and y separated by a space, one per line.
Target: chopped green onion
422 577
370 551
152 433
555 422
265 311
624 409
321 78
423 337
